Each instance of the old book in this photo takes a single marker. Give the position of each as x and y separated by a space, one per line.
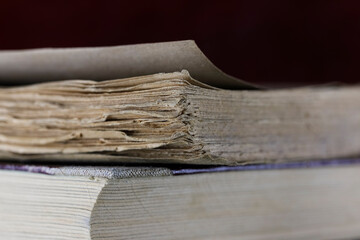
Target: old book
41 202
163 117
167 118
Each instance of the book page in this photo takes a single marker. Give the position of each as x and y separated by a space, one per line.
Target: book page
104 63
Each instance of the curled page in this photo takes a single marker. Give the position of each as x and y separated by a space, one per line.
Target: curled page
104 63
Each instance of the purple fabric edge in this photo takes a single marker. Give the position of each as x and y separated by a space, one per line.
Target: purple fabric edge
43 169
26 168
271 166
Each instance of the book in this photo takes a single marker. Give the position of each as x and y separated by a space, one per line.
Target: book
182 117
152 141
80 202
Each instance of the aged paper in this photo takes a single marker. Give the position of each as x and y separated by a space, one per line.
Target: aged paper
104 63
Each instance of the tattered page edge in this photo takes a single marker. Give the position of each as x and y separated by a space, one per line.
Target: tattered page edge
106 63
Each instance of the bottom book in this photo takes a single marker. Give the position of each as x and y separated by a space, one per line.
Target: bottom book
286 202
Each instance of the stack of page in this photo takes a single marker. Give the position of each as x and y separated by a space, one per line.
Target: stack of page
152 141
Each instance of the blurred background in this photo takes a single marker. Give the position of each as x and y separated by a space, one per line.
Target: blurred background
266 42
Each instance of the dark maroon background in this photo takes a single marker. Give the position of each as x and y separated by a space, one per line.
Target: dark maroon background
261 41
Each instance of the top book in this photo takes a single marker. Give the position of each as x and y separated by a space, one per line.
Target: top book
141 103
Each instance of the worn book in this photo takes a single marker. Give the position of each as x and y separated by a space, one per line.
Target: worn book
152 141
163 103
243 202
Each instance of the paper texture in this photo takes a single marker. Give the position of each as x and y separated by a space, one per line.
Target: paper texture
104 63
162 118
